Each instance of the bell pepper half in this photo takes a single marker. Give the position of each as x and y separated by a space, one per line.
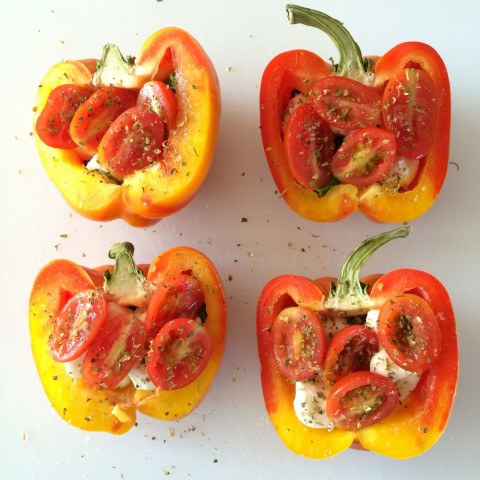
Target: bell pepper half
163 182
325 127
129 291
343 307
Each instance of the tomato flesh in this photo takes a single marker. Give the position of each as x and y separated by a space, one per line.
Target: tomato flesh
346 104
365 156
299 343
309 147
179 353
409 332
114 351
360 399
157 97
350 350
132 142
77 324
53 123
93 118
182 297
410 108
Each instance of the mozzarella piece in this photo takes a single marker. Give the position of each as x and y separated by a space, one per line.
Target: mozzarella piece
74 367
404 380
139 377
401 174
372 318
310 403
332 325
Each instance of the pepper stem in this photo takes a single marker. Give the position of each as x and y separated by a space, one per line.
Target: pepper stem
126 284
351 64
349 295
117 70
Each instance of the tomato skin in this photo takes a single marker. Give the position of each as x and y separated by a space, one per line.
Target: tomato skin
346 104
179 353
365 156
53 123
411 344
158 97
299 343
114 351
77 324
410 110
180 297
360 399
350 350
93 118
132 142
309 147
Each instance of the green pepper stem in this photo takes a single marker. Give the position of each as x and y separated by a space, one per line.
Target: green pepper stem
349 295
117 70
126 284
351 64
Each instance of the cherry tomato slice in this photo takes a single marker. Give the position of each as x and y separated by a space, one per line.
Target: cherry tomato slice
410 107
409 332
182 297
350 350
299 343
179 353
114 351
309 147
361 399
53 123
76 326
132 142
346 104
365 157
157 97
94 117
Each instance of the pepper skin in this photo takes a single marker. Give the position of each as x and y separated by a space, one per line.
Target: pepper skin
147 195
297 70
415 424
114 410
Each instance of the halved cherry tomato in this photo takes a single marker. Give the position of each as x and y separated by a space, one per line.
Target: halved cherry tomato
360 399
410 110
179 353
350 350
157 97
182 297
409 332
299 343
309 147
132 142
365 156
114 351
77 324
346 104
94 117
53 123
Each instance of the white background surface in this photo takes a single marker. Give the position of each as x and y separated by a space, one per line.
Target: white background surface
229 436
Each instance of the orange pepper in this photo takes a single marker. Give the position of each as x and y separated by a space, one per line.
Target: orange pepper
415 424
114 410
147 195
297 71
